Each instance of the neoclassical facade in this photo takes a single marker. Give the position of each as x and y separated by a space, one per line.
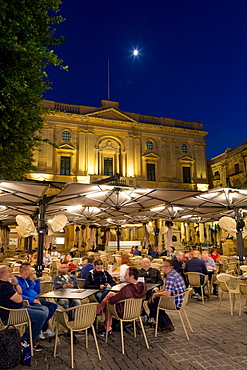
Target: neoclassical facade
93 143
229 169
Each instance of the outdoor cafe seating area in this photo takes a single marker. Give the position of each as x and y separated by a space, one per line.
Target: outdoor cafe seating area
230 277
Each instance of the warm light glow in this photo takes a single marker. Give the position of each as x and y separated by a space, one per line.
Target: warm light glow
107 187
41 176
132 226
207 196
157 209
144 190
202 187
98 194
59 240
74 208
83 179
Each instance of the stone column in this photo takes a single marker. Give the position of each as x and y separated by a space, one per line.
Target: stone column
130 159
137 157
90 152
81 153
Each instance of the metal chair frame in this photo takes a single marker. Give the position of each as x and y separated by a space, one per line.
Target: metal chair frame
20 319
132 312
84 316
168 304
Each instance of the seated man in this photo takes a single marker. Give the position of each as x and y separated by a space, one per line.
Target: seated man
30 286
195 264
153 252
87 266
136 252
47 261
178 262
64 281
100 279
133 289
174 285
10 297
150 274
171 251
211 267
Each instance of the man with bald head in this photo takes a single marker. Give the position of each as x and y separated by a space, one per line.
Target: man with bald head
151 275
178 262
11 297
195 264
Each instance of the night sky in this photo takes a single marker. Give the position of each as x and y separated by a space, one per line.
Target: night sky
192 62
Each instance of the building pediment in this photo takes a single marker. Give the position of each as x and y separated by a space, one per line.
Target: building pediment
150 157
111 114
186 159
66 147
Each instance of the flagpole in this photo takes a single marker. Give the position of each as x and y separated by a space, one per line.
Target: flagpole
108 80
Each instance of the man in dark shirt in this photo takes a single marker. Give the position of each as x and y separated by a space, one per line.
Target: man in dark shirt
10 297
65 280
195 264
151 275
87 266
178 262
100 279
133 289
136 252
153 252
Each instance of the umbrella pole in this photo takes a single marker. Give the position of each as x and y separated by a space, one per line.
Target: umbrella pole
118 238
156 233
42 230
30 246
240 225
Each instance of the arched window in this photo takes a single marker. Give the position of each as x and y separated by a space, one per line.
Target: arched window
184 148
109 157
66 136
149 145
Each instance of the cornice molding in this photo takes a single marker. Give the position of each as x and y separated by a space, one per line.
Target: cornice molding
134 124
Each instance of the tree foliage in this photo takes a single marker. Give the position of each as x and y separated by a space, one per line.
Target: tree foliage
27 30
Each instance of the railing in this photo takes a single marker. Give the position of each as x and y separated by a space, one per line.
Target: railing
148 119
67 108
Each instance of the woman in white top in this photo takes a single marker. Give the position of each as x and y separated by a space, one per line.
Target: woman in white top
125 264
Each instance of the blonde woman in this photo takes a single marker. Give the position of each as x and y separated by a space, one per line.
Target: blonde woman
125 264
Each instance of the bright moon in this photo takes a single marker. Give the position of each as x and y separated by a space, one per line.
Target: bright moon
135 52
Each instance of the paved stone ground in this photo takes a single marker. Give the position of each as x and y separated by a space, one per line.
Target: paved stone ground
219 342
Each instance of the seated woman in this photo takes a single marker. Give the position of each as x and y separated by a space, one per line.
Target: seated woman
132 250
214 254
125 264
67 259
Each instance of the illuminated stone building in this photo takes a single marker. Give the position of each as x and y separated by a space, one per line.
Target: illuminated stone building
95 143
229 169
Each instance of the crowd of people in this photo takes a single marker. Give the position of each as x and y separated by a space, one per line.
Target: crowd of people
26 286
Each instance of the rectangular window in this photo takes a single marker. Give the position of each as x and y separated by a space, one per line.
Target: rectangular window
216 175
108 166
150 171
65 166
236 167
186 175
